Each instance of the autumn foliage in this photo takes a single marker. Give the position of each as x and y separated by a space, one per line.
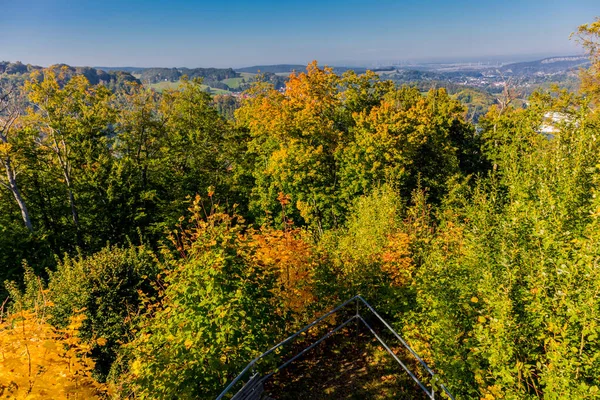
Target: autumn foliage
167 246
39 361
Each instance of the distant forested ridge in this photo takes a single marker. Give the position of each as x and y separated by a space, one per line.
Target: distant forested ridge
154 75
19 72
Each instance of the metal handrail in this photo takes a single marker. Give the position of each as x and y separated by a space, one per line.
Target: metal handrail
389 350
358 317
431 395
396 334
272 349
288 362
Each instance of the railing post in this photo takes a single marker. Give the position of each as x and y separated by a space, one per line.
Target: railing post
356 334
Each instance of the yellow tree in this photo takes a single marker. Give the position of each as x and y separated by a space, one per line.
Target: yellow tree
38 361
406 138
295 137
298 135
588 35
289 256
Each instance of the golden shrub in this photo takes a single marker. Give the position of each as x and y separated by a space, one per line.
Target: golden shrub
38 361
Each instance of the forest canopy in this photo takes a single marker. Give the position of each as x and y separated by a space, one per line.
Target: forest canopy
152 243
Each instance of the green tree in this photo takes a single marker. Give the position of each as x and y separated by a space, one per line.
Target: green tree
136 181
297 137
214 315
73 122
199 153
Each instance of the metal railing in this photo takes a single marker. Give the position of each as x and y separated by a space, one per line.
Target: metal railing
430 393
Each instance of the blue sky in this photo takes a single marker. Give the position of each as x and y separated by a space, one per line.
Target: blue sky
242 33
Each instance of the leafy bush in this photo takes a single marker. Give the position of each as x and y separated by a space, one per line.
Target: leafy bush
39 361
108 286
508 287
214 317
371 255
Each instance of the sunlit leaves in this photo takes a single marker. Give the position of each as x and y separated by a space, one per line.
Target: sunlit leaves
38 361
507 286
588 35
217 311
298 137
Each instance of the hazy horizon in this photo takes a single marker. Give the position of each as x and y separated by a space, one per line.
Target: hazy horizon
240 34
504 59
372 63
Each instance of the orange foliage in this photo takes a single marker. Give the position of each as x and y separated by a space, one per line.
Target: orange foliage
397 260
285 254
290 257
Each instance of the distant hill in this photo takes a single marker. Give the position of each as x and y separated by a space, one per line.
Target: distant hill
18 72
8 68
210 75
552 65
123 69
274 69
289 68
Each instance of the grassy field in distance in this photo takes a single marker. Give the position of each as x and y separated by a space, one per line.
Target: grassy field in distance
233 83
160 86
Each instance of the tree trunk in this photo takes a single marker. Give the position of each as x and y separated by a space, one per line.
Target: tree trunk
12 186
74 213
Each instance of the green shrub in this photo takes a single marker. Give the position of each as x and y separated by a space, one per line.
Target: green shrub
507 299
215 316
108 286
